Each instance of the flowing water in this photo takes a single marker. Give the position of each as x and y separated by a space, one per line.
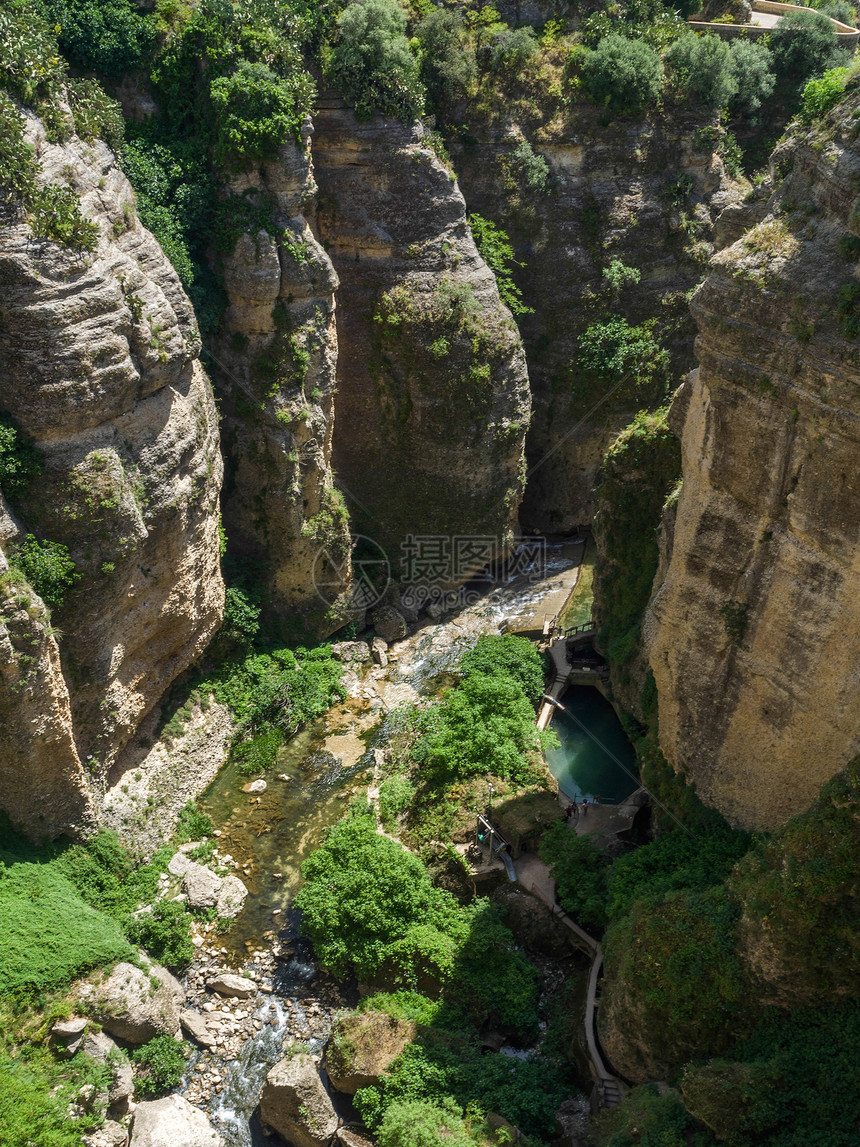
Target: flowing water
269 834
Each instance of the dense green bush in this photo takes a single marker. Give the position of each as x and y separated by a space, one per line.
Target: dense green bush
241 622
803 44
702 68
648 1119
48 934
623 75
798 892
496 251
618 275
506 655
675 860
367 901
159 1065
435 1070
395 796
579 871
822 94
371 61
31 69
55 213
48 568
20 461
677 967
37 1093
111 37
165 932
96 114
768 1090
509 50
417 1123
17 159
752 65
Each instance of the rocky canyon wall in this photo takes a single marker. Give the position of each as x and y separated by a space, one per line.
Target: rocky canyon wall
433 396
754 633
643 193
99 367
277 355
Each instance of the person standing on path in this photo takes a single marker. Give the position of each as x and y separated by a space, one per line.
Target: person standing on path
585 806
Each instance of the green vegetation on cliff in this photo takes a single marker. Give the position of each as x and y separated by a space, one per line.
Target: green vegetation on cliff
639 470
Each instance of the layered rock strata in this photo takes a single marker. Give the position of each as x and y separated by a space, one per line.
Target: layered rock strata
754 635
99 367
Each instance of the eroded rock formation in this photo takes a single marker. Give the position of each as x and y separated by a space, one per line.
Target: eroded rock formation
277 353
433 399
755 631
98 355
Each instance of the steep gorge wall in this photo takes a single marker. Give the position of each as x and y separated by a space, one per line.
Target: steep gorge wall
277 352
646 193
433 397
754 634
99 367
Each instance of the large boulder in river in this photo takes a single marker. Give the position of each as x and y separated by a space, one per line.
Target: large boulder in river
172 1122
362 1046
201 886
231 898
135 1004
388 623
296 1104
226 984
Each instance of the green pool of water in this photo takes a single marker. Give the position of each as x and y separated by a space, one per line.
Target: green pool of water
594 751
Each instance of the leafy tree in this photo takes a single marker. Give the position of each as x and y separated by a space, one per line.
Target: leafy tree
496 251
485 725
623 75
702 68
822 94
803 44
417 1123
256 112
509 50
448 68
366 900
579 871
48 568
96 114
241 622
507 655
613 347
371 61
618 276
752 64
20 462
111 37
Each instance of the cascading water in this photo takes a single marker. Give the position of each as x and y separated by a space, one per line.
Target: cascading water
268 836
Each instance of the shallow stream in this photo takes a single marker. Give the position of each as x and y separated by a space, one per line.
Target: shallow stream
269 834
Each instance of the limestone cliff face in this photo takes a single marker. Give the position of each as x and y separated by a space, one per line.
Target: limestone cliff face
433 398
277 353
755 631
643 193
98 365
